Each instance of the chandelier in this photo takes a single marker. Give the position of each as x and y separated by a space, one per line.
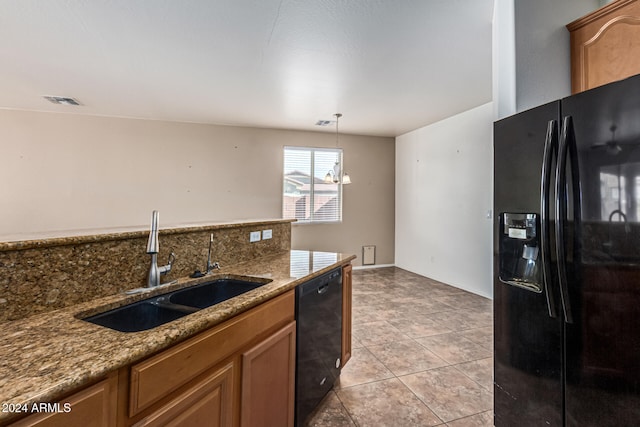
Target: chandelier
336 174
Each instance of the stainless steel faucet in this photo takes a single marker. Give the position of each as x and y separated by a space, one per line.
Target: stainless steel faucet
156 271
211 266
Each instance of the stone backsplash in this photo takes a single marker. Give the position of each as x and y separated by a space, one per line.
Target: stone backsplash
37 276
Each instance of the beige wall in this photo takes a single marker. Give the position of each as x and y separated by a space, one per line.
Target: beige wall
67 174
368 206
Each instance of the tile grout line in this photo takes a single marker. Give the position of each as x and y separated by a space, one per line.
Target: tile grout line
385 282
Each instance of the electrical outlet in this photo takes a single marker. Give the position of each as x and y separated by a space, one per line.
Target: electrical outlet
266 234
254 236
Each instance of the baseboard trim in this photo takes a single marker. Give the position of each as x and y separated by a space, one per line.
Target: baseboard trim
366 267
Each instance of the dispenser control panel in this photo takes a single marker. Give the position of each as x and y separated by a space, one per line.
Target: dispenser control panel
520 226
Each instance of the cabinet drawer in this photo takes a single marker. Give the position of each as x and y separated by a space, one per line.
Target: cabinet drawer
158 376
207 403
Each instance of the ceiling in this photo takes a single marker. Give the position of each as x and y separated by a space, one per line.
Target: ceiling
389 66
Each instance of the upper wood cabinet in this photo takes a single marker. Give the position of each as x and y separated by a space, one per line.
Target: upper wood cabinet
605 45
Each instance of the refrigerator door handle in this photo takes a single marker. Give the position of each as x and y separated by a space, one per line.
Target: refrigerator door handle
561 214
550 151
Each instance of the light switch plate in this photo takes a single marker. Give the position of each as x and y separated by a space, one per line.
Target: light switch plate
266 234
254 236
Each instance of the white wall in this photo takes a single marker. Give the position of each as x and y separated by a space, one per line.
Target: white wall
444 172
443 193
504 59
543 54
67 174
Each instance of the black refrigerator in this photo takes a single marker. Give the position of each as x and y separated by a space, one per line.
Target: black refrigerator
567 261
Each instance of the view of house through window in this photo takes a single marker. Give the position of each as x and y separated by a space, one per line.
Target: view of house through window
306 195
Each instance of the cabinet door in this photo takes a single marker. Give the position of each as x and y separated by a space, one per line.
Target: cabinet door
268 380
94 406
207 403
605 45
161 375
346 313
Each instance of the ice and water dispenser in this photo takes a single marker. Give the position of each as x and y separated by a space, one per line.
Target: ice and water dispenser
519 251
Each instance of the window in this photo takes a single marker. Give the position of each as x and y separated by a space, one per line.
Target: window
620 192
306 196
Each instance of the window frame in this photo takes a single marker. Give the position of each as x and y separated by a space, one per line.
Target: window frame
312 151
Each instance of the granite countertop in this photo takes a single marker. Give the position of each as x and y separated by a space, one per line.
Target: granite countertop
46 356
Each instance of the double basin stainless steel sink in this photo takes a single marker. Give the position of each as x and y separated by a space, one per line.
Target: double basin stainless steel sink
158 310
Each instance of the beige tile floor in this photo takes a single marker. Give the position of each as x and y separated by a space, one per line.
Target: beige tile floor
422 356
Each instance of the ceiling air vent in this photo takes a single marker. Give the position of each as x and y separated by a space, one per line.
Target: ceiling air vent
324 122
62 100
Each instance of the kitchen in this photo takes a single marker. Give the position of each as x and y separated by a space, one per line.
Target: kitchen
189 179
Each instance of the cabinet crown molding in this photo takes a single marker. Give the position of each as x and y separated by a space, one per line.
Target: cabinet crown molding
597 14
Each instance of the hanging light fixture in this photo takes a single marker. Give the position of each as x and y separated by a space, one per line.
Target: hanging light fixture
336 176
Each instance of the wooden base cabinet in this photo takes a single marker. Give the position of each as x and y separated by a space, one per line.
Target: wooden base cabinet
94 406
238 373
207 403
268 381
241 372
347 271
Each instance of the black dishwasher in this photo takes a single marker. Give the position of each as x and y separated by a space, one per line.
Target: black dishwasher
318 340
